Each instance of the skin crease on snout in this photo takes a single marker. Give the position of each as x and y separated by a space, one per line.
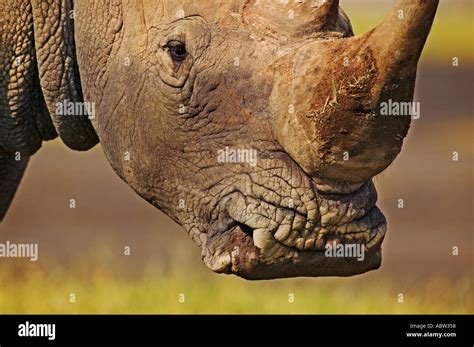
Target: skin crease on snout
253 124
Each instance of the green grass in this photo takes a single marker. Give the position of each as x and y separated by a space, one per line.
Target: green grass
36 288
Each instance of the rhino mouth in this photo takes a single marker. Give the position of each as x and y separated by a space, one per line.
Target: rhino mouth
347 220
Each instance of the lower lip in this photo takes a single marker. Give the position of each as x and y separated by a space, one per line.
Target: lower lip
377 235
326 187
368 229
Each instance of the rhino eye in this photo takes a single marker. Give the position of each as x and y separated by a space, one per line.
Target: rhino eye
177 50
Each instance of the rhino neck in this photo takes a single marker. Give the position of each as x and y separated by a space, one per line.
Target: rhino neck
55 48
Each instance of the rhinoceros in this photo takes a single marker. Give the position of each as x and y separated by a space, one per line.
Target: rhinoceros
256 125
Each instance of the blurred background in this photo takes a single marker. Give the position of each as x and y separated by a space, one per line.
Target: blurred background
81 250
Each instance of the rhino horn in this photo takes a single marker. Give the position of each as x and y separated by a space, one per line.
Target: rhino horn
399 40
349 80
293 18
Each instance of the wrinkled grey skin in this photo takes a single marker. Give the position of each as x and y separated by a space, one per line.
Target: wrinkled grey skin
252 77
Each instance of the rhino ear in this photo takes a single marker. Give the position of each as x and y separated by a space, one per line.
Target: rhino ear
59 73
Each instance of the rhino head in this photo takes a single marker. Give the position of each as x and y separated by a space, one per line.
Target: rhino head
255 124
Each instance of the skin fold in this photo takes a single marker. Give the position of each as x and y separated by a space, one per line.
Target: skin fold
175 84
